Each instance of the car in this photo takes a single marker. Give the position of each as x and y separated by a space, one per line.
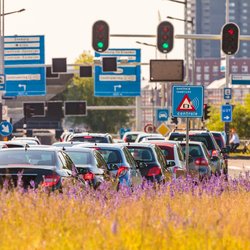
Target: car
131 136
91 137
150 160
29 140
201 165
121 165
140 137
65 135
37 167
207 138
65 144
174 157
153 138
14 144
90 163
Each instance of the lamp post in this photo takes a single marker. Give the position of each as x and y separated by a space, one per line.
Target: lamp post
153 91
2 15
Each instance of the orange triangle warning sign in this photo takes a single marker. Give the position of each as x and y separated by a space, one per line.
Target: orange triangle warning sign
186 104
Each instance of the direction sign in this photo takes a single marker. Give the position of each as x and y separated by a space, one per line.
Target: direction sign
226 113
126 81
162 115
20 51
227 93
240 79
187 101
6 128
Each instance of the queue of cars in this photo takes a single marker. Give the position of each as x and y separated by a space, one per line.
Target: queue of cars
91 159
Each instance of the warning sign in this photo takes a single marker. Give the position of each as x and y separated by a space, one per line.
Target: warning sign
186 104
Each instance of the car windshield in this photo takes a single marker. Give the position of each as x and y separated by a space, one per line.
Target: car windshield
80 158
42 157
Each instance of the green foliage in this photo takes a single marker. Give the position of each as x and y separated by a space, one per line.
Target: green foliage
96 120
214 122
241 118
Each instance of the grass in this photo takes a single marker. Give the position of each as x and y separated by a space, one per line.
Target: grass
178 215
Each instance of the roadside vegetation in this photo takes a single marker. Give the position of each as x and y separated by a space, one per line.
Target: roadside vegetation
178 215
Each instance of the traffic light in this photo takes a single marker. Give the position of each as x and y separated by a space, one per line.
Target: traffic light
230 38
174 120
76 108
206 111
100 36
31 109
55 110
165 37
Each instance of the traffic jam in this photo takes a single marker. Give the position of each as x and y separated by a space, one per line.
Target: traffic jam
91 159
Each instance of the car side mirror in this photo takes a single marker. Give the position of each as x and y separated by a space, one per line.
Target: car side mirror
112 167
170 164
225 150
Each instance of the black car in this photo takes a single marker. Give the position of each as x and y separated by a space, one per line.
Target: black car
150 159
34 167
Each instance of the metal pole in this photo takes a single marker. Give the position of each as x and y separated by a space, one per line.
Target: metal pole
1 43
138 111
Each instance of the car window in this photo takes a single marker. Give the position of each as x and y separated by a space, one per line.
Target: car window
111 155
129 158
168 152
80 157
100 162
142 154
88 138
160 157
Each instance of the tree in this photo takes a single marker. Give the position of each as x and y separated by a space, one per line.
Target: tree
97 120
214 122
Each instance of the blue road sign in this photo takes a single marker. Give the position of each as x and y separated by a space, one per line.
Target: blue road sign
162 115
226 113
227 93
18 52
126 81
187 101
6 128
241 79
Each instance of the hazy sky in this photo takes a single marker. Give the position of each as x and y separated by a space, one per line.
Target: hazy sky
67 25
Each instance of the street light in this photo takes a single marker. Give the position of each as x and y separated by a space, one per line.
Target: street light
2 14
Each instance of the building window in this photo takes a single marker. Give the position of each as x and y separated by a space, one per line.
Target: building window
198 69
244 4
234 69
244 44
244 51
244 68
206 77
206 69
198 77
215 68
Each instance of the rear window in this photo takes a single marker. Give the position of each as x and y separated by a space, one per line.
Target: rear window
168 152
205 138
111 155
88 138
80 158
142 154
194 150
27 157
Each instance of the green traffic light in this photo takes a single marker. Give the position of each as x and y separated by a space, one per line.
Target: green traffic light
165 45
100 45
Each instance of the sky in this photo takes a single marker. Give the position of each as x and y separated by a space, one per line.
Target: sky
67 25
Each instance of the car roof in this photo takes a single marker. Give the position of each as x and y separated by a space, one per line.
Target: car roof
77 149
90 134
138 144
163 143
106 145
49 148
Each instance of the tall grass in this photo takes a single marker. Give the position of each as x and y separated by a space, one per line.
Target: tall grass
177 215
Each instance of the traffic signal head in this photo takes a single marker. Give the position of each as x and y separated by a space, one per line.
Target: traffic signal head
165 37
100 36
230 38
174 120
206 111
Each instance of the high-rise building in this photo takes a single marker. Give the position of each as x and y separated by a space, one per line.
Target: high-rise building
209 16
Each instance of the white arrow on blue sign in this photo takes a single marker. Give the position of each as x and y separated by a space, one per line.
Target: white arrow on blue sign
226 113
6 128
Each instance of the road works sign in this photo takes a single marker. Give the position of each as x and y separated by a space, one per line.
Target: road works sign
126 81
187 101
